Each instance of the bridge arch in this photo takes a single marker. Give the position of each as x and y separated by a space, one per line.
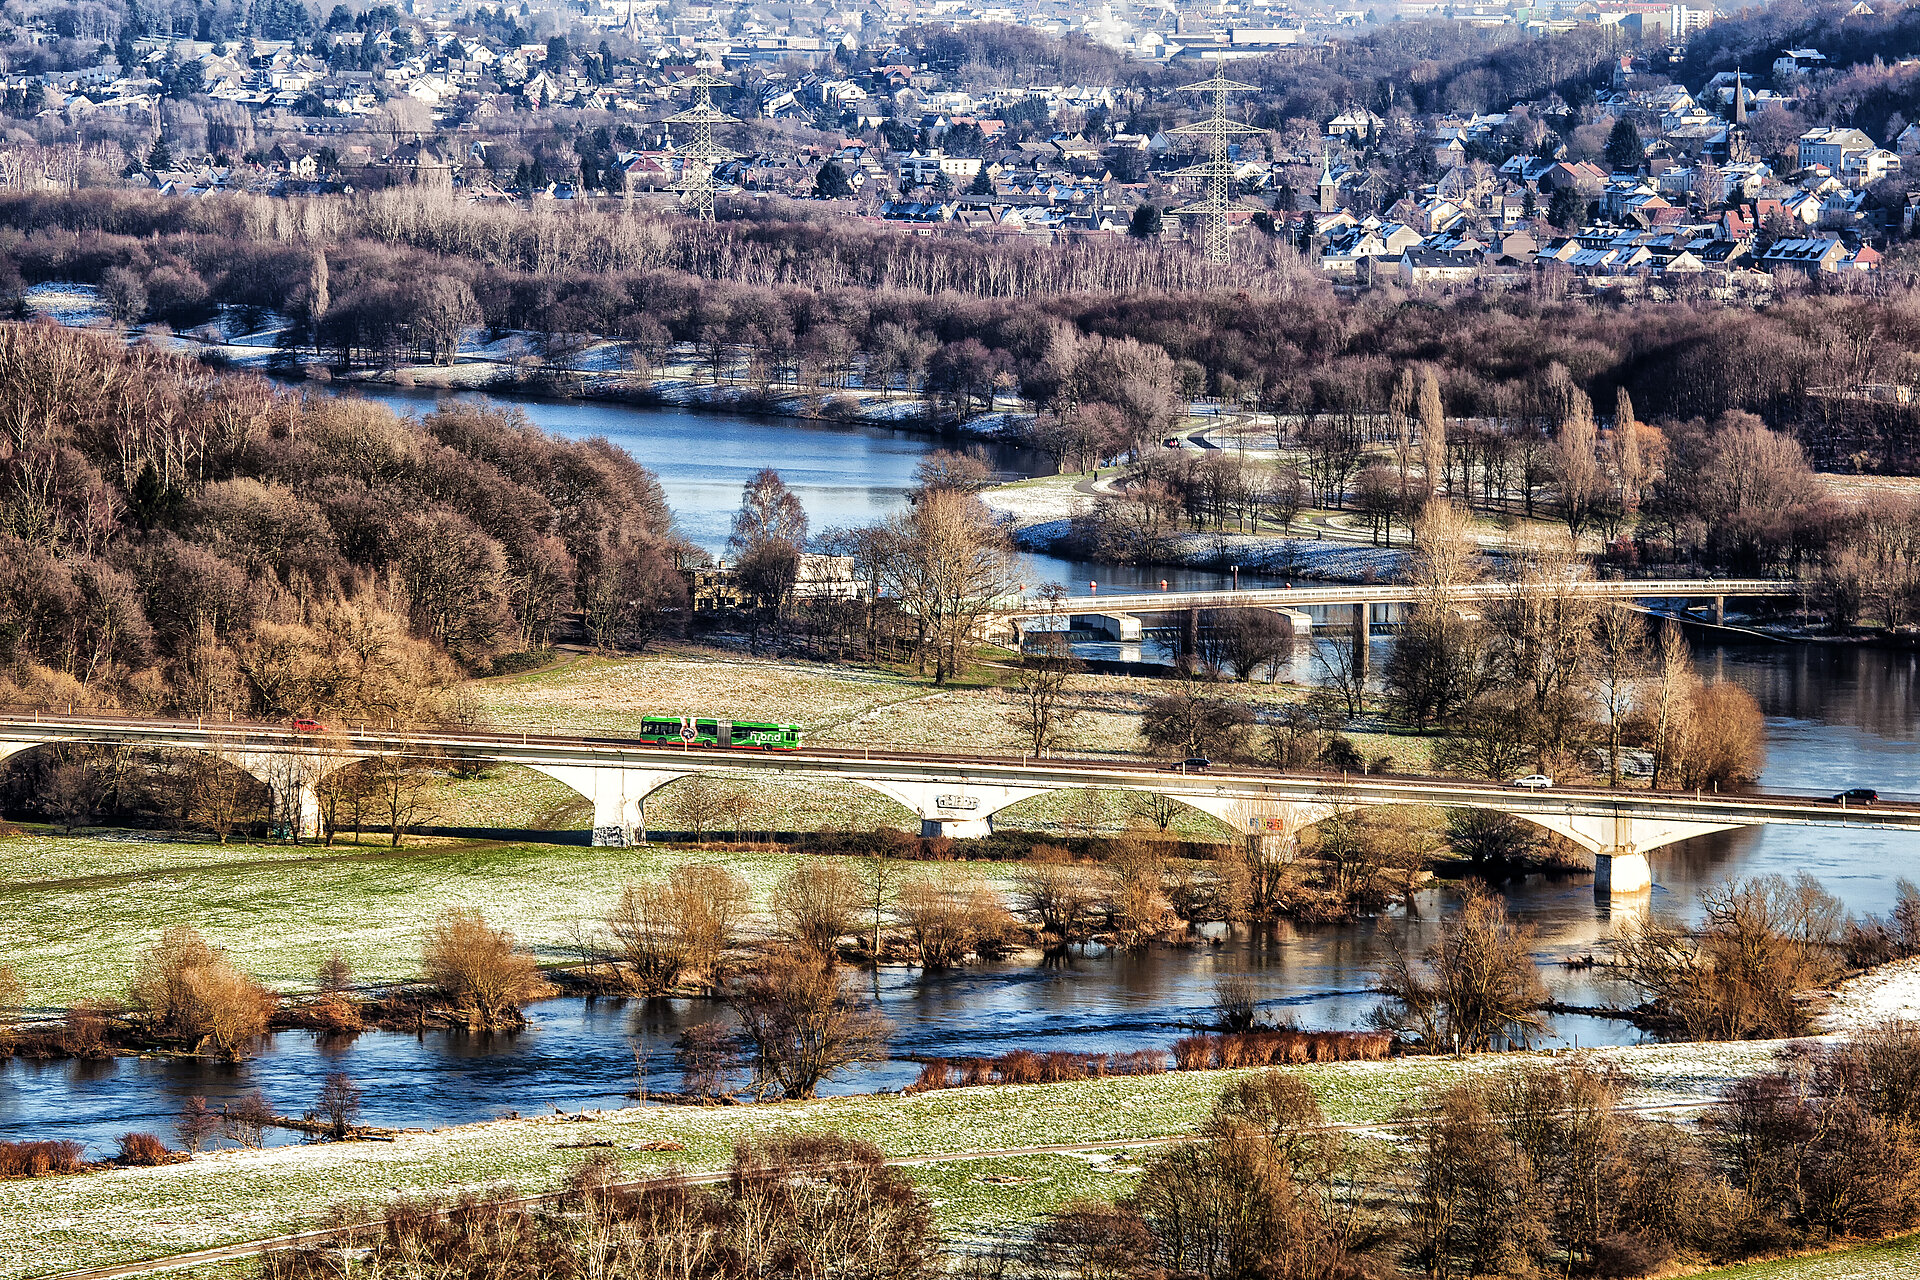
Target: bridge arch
292 777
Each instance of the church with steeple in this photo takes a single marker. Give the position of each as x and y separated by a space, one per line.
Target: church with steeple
1739 150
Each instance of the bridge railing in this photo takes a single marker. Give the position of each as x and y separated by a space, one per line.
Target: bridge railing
1343 594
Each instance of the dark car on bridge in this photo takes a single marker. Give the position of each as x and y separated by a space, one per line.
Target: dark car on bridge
1857 795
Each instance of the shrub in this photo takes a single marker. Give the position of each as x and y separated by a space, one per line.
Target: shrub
246 1121
810 1206
949 922
479 970
705 1057
1739 974
666 929
335 974
80 1033
817 905
38 1159
1477 988
196 1123
187 991
1193 1053
142 1149
1092 1241
340 1104
935 1073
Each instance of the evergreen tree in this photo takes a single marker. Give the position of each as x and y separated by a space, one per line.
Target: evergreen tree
159 159
831 182
1566 208
1146 221
1624 148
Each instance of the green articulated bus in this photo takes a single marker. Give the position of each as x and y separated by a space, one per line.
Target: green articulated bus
734 735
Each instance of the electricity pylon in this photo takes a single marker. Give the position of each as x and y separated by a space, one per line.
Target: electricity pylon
1217 168
699 156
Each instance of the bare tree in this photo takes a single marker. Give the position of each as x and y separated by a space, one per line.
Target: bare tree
879 877
803 1024
1433 432
1061 897
1192 722
1577 461
1740 974
1619 666
188 992
340 1104
947 921
1673 686
400 793
479 969
666 929
1542 624
952 567
1477 987
817 904
1136 909
220 797
1041 715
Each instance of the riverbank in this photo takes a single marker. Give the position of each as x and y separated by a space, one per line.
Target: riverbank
1886 994
982 1170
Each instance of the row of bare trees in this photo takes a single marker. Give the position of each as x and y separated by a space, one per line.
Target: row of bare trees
1545 676
1518 1173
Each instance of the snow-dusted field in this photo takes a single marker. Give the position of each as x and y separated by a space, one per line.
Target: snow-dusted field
69 304
1889 992
281 910
1893 1260
1030 502
54 1224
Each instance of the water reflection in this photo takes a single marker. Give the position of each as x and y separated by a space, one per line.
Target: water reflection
577 1054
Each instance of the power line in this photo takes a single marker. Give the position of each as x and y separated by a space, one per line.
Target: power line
1217 168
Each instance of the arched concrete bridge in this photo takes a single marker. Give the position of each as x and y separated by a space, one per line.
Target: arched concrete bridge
958 795
1119 615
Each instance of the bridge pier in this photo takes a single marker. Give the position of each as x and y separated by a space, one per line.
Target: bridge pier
1362 622
619 798
957 828
1621 873
1124 627
1719 611
296 804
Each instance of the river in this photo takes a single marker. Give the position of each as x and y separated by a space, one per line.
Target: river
1836 717
844 473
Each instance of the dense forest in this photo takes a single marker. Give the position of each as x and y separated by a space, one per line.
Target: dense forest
176 540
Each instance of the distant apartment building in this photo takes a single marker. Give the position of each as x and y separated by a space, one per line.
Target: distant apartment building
924 169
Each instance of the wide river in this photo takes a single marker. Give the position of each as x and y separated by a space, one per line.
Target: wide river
844 474
1836 717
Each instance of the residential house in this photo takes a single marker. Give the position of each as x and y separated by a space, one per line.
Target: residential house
1830 148
1812 255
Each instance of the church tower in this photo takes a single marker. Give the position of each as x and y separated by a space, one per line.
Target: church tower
1329 189
1738 150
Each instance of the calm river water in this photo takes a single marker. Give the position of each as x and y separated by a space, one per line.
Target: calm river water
844 474
1836 718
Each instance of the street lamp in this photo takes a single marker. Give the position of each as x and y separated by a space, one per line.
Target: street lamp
1236 577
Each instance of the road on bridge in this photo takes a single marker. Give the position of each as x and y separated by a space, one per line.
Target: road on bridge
1058 770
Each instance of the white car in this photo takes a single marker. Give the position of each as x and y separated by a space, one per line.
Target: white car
1534 782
